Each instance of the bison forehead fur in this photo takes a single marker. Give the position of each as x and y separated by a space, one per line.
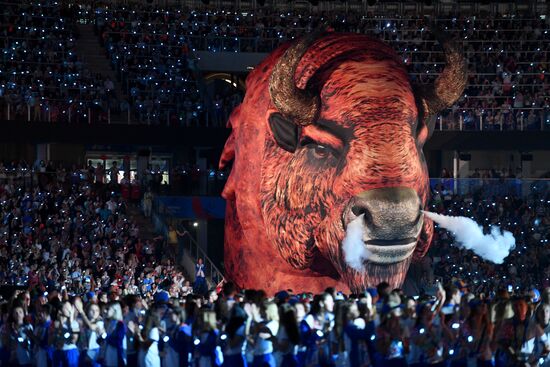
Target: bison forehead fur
284 226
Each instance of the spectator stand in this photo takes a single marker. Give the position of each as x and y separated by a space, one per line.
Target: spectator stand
148 60
152 49
41 78
511 96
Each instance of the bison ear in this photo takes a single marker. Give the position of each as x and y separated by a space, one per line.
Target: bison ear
424 131
426 123
285 132
426 128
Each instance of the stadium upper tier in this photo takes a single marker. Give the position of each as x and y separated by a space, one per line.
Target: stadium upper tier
152 50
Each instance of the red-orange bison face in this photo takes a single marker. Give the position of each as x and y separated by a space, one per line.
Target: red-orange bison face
356 157
364 139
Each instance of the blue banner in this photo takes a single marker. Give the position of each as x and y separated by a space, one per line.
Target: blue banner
192 207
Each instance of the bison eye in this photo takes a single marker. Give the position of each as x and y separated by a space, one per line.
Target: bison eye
320 151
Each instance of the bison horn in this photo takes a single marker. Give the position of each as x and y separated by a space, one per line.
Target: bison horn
298 105
450 84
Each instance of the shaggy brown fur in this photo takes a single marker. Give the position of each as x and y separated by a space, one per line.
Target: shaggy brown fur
284 225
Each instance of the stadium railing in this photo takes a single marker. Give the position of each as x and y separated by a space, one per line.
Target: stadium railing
488 187
86 112
162 220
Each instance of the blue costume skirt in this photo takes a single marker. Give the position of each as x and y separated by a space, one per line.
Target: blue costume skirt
5 355
394 362
89 359
234 360
65 358
265 360
290 360
301 357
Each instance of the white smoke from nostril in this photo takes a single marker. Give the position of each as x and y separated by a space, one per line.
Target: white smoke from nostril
469 235
355 252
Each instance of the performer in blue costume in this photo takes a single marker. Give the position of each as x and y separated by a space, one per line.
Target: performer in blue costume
44 351
206 341
115 341
265 331
359 337
177 342
200 278
235 339
288 337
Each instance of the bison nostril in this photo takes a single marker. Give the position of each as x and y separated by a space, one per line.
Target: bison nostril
358 210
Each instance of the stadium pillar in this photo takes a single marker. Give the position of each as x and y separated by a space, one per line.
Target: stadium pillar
455 171
142 164
521 121
43 152
526 161
202 235
463 168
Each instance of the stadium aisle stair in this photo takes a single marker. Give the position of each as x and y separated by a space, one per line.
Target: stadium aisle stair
147 232
89 50
146 228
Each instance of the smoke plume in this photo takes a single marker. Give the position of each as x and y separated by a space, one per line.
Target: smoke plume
468 234
355 252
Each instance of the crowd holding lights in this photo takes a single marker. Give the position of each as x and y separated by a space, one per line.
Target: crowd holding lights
526 216
507 55
157 68
92 292
152 51
114 299
41 77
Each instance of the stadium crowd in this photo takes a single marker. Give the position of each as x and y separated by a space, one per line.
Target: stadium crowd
91 291
508 87
157 72
380 327
41 76
151 50
505 205
81 287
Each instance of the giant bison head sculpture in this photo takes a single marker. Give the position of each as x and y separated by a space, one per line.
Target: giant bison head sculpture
331 129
